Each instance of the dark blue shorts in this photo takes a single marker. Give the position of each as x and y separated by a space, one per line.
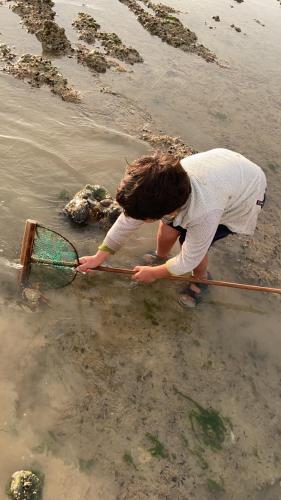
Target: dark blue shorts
221 232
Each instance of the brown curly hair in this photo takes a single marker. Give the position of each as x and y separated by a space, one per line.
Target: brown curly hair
153 186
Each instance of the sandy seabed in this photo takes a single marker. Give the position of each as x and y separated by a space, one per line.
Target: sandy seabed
113 391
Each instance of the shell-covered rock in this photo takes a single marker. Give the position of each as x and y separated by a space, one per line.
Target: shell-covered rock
93 59
157 19
6 53
25 485
53 38
78 209
31 295
93 192
112 213
39 71
93 203
33 298
89 31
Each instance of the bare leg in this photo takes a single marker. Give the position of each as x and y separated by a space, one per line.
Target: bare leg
199 272
166 238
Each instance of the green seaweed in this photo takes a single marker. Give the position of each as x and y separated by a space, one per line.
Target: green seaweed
158 450
149 311
214 486
64 195
151 306
185 440
197 452
196 343
172 19
127 457
97 192
211 427
86 465
207 424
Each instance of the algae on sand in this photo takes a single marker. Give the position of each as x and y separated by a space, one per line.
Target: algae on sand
214 486
158 449
127 457
86 465
207 424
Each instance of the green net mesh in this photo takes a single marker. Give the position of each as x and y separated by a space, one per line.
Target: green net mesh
53 260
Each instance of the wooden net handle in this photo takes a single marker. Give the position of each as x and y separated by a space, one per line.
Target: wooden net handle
190 279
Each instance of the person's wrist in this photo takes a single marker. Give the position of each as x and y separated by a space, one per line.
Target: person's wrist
160 271
101 256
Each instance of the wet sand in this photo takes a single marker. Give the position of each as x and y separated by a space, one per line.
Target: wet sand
92 387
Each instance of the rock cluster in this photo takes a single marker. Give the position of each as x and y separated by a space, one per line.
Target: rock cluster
6 53
39 71
53 38
114 47
89 31
93 59
236 28
93 203
172 145
34 12
169 29
159 8
38 17
86 26
25 485
33 298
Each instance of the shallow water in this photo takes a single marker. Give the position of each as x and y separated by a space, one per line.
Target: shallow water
83 380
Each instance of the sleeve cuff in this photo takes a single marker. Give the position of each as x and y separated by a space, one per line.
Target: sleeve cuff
105 248
175 268
172 266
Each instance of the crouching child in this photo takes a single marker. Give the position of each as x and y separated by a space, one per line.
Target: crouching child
198 200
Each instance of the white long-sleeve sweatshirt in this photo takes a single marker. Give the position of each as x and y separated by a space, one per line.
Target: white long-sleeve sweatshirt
226 188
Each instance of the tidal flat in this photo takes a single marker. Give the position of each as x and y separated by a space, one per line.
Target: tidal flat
111 390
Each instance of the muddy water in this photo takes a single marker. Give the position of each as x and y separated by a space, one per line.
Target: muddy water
84 380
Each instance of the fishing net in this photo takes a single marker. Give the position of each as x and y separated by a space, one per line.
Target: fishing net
49 260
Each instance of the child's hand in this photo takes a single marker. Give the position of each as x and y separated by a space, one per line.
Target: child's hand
146 274
89 262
